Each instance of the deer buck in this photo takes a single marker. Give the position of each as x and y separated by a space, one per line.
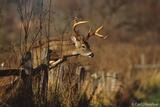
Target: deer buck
78 45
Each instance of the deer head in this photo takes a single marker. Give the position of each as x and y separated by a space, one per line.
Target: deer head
81 44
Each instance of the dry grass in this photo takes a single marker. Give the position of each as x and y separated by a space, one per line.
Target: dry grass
117 57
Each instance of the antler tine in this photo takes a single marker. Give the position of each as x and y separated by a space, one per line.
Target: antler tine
96 33
80 22
99 35
76 24
89 34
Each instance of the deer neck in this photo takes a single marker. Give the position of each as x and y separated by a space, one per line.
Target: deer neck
65 48
69 53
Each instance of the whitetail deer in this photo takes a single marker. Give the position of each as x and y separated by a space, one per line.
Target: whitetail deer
77 46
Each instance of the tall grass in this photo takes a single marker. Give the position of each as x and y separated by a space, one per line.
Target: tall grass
67 88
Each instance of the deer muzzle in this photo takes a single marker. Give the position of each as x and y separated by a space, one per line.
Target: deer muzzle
91 55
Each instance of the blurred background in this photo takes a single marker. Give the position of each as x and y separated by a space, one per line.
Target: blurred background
132 50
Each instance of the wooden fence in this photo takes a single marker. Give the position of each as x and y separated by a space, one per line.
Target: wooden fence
144 65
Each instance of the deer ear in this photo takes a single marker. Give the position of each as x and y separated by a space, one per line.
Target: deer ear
74 39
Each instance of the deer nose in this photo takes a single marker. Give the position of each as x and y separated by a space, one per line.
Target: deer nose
91 55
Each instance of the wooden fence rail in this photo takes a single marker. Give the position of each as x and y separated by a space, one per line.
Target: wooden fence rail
21 71
147 66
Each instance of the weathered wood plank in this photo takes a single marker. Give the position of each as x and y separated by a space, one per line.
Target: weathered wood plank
147 66
10 72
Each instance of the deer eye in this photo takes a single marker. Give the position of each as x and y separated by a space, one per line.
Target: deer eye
83 46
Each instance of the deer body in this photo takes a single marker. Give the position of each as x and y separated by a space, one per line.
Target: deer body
77 45
58 48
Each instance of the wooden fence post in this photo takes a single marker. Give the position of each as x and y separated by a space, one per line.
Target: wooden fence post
44 76
108 84
113 81
26 76
142 59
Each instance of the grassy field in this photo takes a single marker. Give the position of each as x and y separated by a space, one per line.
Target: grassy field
136 85
125 69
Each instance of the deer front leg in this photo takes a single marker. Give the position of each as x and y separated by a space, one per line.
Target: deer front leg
55 63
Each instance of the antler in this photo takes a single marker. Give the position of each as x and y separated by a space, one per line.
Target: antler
96 33
76 24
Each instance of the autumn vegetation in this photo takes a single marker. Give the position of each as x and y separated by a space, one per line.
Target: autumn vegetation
131 52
